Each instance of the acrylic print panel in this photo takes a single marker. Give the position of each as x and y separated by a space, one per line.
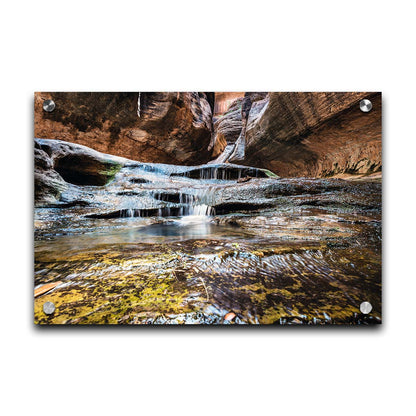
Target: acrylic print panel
207 208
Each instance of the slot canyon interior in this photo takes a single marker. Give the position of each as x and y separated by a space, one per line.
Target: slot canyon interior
207 208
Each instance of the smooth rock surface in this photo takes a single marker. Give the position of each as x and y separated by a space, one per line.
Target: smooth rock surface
228 141
227 128
315 134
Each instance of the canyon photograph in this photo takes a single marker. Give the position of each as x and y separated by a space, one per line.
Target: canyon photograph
208 208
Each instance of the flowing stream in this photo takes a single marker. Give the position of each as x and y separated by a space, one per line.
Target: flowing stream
211 244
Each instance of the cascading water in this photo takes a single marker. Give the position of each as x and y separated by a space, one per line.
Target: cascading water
203 201
199 203
180 196
220 172
158 190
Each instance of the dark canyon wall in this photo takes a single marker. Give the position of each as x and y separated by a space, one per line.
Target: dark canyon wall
171 127
301 134
292 134
316 134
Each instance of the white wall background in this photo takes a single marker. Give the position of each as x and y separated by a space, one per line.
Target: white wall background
223 46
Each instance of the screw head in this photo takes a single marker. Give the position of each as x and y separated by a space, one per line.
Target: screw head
366 308
48 308
48 106
365 105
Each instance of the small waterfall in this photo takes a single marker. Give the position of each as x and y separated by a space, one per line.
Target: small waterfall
216 173
184 211
187 199
146 212
203 201
197 204
125 213
174 197
221 172
201 209
177 197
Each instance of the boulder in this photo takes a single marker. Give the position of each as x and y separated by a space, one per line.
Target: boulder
78 164
48 183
